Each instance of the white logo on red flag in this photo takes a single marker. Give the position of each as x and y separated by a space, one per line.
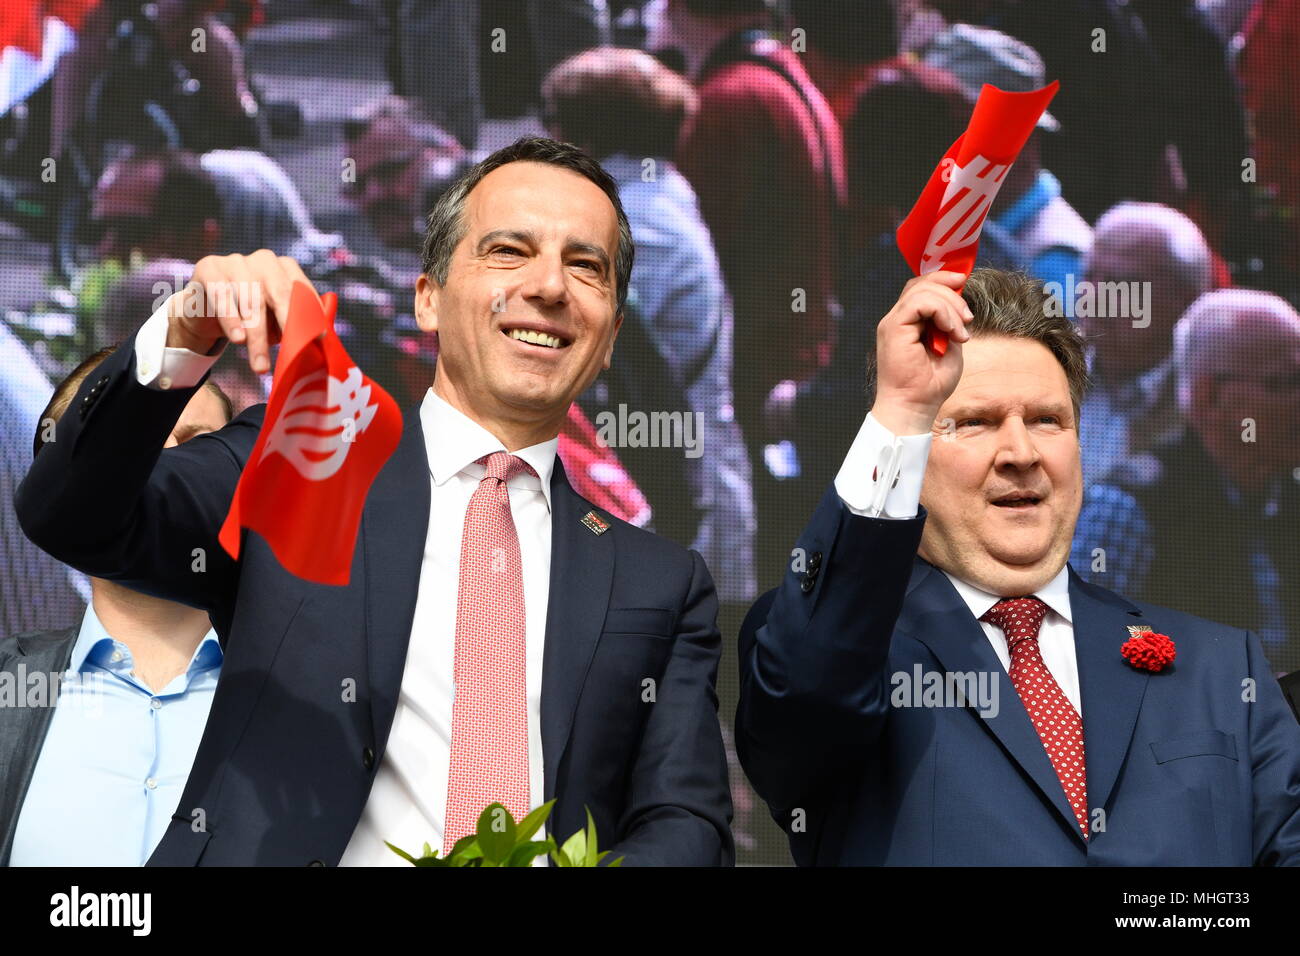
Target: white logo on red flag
321 419
962 211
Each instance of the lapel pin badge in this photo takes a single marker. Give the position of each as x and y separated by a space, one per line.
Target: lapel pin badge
595 523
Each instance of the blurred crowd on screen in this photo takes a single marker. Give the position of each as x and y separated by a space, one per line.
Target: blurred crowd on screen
765 153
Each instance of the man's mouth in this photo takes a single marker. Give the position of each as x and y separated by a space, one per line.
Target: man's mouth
534 337
1018 500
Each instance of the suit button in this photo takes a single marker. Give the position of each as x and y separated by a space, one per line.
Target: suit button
316 863
814 561
368 758
807 583
103 380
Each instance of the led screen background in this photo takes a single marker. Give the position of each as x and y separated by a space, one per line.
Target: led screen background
323 130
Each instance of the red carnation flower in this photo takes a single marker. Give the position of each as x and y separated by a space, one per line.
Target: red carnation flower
1149 651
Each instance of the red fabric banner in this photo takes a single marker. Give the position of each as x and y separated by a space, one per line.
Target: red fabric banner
327 433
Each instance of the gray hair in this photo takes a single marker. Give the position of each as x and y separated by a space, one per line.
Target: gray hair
446 225
1204 336
1181 240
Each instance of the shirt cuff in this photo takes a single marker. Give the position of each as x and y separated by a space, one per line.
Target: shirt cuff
159 367
882 473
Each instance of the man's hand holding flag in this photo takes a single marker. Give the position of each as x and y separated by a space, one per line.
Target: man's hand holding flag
943 229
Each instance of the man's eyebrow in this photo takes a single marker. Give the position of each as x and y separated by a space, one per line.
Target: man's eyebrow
976 409
590 249
528 237
518 235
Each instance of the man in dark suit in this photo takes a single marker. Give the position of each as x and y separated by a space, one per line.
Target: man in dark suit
499 638
934 685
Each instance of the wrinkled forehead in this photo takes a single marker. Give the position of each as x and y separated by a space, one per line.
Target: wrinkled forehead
1009 375
546 201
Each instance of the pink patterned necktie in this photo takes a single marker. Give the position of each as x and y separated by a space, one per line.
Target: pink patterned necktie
1054 717
489 714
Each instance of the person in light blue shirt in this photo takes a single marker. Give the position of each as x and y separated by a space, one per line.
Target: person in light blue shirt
99 724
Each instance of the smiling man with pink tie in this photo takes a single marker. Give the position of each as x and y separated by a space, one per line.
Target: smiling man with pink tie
500 639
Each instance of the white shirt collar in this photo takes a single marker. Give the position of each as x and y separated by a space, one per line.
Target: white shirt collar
1055 594
455 442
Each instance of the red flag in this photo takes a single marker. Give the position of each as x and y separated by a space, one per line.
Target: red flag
943 229
328 431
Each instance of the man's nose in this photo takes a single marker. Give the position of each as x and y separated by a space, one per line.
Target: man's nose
1016 448
544 280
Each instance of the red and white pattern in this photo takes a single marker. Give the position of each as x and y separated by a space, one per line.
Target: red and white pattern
1058 724
489 715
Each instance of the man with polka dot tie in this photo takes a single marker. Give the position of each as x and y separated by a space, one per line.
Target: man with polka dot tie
932 684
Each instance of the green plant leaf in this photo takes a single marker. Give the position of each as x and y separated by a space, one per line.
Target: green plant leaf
525 853
403 854
592 857
533 822
575 849
496 833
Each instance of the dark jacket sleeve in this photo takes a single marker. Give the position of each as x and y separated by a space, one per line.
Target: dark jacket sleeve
1274 766
679 805
813 688
105 497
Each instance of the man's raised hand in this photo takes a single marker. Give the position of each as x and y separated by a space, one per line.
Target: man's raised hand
912 383
242 299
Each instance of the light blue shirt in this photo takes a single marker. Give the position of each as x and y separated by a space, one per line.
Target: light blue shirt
116 758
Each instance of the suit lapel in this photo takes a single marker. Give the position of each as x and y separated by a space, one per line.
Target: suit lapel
935 614
23 729
582 572
1110 689
394 526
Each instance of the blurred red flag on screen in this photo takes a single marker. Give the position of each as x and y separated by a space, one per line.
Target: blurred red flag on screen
328 430
943 229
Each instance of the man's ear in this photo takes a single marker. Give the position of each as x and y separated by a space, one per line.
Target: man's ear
618 324
426 303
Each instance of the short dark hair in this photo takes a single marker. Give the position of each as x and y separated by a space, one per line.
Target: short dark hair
616 100
67 390
445 226
925 101
187 194
1016 305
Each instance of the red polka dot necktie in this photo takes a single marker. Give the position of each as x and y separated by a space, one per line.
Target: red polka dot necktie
489 714
1058 724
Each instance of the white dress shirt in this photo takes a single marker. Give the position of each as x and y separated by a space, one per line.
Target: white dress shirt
407 803
898 463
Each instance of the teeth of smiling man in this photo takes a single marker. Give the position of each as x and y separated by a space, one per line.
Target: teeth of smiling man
535 338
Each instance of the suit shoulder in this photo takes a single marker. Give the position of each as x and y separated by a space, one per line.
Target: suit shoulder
645 544
30 643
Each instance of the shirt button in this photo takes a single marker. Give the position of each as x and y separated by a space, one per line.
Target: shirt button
117 656
156 704
164 382
151 783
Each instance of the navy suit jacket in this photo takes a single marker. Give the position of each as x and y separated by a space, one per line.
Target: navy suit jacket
288 756
1196 765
